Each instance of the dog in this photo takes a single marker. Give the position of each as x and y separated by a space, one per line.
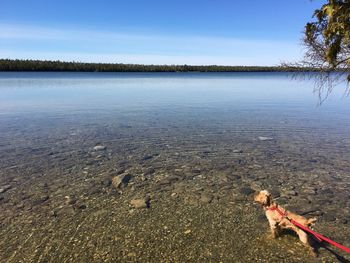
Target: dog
279 218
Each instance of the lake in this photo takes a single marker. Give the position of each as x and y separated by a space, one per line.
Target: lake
77 150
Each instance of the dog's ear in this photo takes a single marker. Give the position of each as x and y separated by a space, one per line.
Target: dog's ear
268 199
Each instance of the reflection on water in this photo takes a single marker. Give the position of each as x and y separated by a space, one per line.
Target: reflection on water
188 143
111 91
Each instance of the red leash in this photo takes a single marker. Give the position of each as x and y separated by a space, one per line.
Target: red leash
317 235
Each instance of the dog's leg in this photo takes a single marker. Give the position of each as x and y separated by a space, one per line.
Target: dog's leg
303 236
274 228
274 231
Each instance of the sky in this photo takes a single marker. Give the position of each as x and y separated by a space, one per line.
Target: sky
194 32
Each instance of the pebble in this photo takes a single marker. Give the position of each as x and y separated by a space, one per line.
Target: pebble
41 199
147 157
262 138
187 232
100 148
168 180
5 188
314 212
149 171
328 218
291 193
205 198
310 191
121 180
81 206
131 254
106 182
343 221
70 200
20 206
53 213
140 203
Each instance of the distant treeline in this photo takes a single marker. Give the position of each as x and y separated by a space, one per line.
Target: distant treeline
43 65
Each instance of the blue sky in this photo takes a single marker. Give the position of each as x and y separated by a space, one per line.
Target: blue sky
224 32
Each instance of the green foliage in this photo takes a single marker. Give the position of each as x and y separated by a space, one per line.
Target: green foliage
328 38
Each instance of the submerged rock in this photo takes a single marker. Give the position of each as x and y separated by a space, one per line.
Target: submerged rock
40 199
310 191
5 188
81 206
140 203
246 191
100 147
168 180
188 232
147 157
343 221
206 198
328 217
70 200
106 182
121 180
53 213
290 193
262 138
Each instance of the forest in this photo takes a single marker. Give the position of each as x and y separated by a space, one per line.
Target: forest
44 65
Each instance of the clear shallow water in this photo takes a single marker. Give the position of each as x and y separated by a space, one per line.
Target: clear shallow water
194 136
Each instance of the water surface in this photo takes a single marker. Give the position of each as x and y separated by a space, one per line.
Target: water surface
191 144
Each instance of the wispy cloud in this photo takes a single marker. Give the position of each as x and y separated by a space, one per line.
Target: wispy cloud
23 41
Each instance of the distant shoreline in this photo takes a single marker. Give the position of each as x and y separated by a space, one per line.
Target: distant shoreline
8 65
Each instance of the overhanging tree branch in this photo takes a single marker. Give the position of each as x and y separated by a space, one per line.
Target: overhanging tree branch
327 43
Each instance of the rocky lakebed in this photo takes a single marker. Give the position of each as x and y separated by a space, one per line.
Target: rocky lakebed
162 188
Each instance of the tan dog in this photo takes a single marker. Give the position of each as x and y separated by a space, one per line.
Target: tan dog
278 218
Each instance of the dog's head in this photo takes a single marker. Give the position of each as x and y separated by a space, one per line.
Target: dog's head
263 197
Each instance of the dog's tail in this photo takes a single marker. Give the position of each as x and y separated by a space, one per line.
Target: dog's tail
311 221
